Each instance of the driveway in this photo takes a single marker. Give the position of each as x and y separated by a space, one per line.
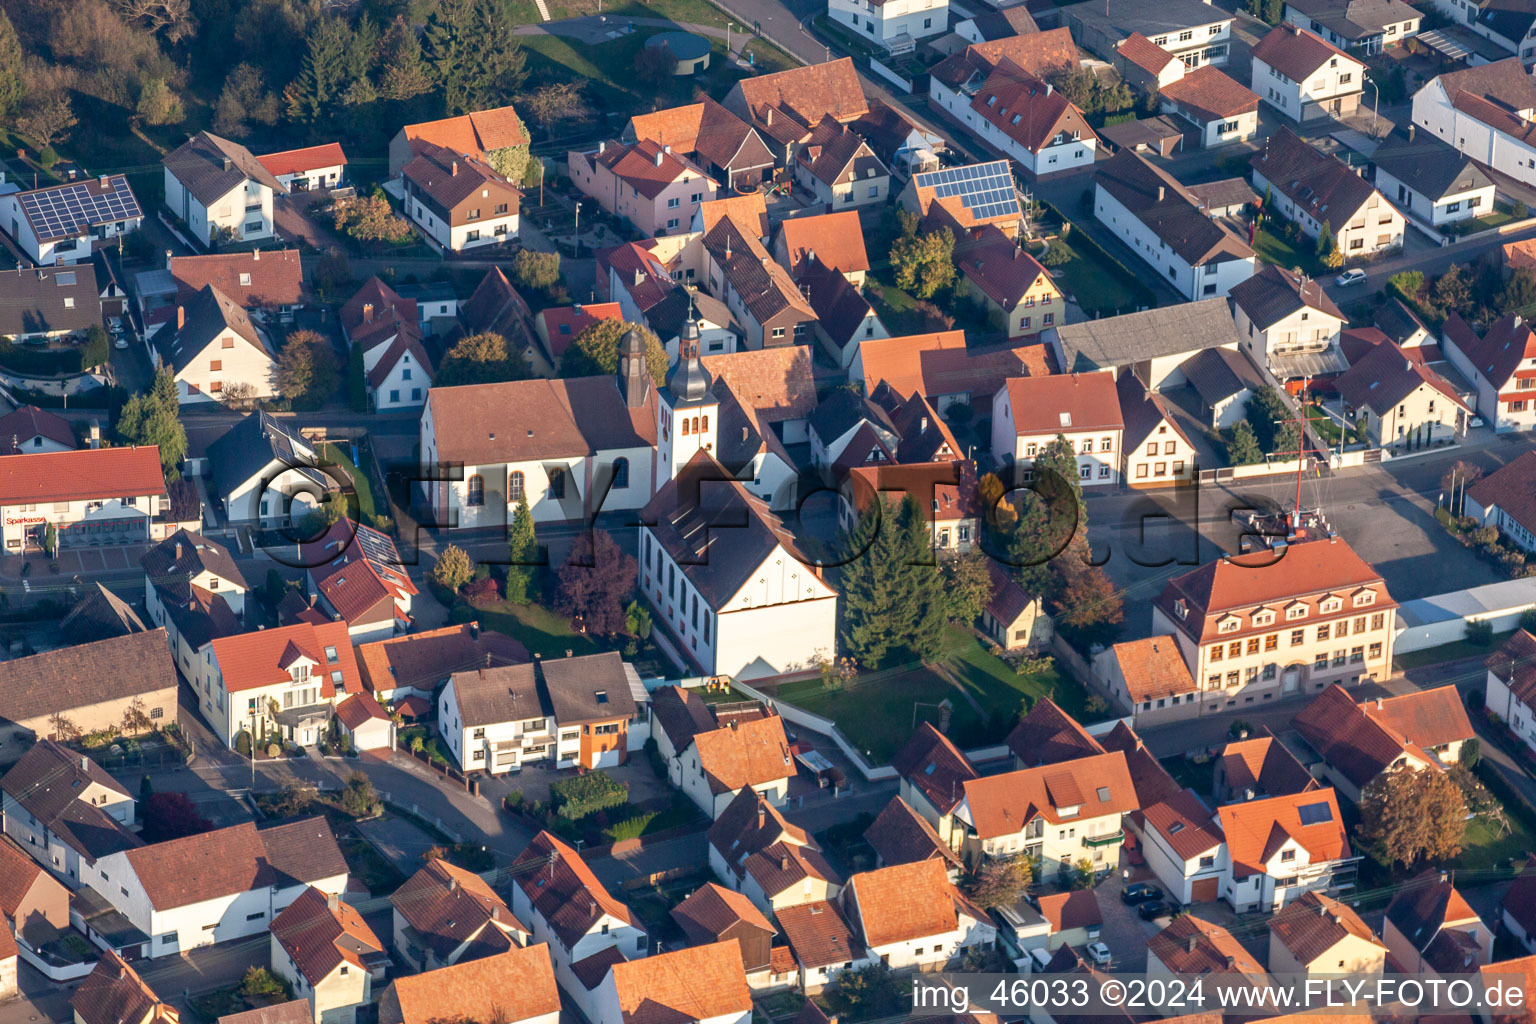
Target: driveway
1123 932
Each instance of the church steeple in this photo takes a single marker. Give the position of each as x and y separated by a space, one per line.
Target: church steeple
634 373
687 415
688 382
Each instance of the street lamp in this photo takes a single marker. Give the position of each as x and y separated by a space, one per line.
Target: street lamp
1375 102
577 229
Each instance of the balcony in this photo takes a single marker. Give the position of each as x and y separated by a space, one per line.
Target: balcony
1108 839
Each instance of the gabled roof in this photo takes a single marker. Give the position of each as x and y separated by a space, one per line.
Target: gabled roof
209 314
1038 53
1077 401
899 835
72 209
647 167
563 324
808 92
1217 374
496 306
99 615
765 288
184 555
1257 829
1363 740
252 280
70 678
448 906
1152 667
1498 353
1317 182
210 167
18 873
28 422
237 859
1525 968
1026 109
1274 293
711 910
450 178
49 300
1515 663
835 239
1519 901
1066 911
113 993
251 446
1168 210
514 986
1143 411
309 158
1428 903
479 131
424 660
999 268
935 767
834 154
1211 94
1045 734
1185 823
564 891
1313 923
1296 52
840 308
357 569
905 902
1077 790
1431 167
1190 945
775 383
261 658
1356 19
694 984
819 934
1386 375
47 782
321 933
1264 765
1427 718
746 753
941 364
589 688
1144 53
494 696
376 313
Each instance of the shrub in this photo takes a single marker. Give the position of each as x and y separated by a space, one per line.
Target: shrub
243 743
1479 634
513 801
1520 211
482 591
586 794
461 613
1055 256
1528 621
260 983
629 828
274 749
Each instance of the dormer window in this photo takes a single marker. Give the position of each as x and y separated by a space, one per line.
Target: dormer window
1295 610
1330 605
1263 617
1181 608
1069 812
1229 624
1365 597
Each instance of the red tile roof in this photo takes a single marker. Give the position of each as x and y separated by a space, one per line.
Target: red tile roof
321 933
1091 787
310 158
565 892
1361 741
1065 911
1190 945
1512 487
1038 53
28 422
819 934
1153 668
1257 829
1427 718
748 753
356 568
1212 94
233 860
359 709
694 984
423 660
713 910
113 993
91 473
476 133
834 238
807 92
1264 765
941 364
1185 823
1313 924
261 658
1144 53
255 280
1296 52
1026 109
1050 405
647 167
514 986
935 767
905 901
899 835
448 906
562 324
1048 735
1000 269
1524 968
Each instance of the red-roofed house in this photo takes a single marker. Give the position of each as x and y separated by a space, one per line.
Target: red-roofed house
703 984
933 776
1282 847
1223 109
1279 626
1184 846
1073 917
265 284
313 167
837 167
480 133
397 369
1008 284
459 202
94 496
30 429
942 369
1304 77
328 954
1148 679
355 574
1422 730
558 327
1401 400
1501 364
1024 118
1431 929
834 239
647 184
1519 910
279 683
911 915
1029 413
1511 690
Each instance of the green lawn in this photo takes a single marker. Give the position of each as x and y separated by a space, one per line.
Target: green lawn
1325 425
897 309
877 713
1502 214
540 630
1486 847
367 508
1098 287
366 863
1274 249
1453 651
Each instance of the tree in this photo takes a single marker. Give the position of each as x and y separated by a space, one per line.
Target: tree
172 816
1519 291
1050 516
470 46
405 74
536 271
924 264
480 359
999 513
1453 290
1328 253
97 349
654 66
1085 595
595 351
307 370
555 103
12 74
968 584
893 594
170 18
1410 816
336 62
523 553
1265 411
135 719
453 568
1243 447
47 115
1471 752
62 727
155 419
595 582
511 162
637 620
868 993
159 105
1074 876
999 883
358 797
370 218
239 394
244 98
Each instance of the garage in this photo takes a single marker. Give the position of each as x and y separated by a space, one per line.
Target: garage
1204 890
366 723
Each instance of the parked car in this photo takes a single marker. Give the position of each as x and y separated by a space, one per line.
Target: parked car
115 324
1098 953
1349 277
121 341
1140 892
1151 910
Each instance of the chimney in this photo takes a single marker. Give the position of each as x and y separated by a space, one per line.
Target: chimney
1231 962
95 435
1322 911
181 317
1408 364
85 764
1411 129
103 181
1048 88
367 312
331 901
1190 942
727 248
1161 192
659 157
453 883
167 259
667 148
453 168
601 146
762 815
784 863
178 551
923 425
255 255
228 163
1378 704
768 117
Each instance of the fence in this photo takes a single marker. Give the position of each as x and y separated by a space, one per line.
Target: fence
824 727
890 76
52 967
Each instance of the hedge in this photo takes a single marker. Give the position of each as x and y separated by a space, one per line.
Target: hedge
575 798
41 362
629 828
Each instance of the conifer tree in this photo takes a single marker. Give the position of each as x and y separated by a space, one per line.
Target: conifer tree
523 548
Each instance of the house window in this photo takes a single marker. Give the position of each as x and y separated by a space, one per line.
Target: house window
515 485
557 484
476 491
620 474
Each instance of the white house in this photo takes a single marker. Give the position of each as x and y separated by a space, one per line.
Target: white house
895 25
584 928
63 224
1309 847
1185 847
838 168
323 949
220 885
713 759
457 202
94 496
1026 119
1157 451
912 916
308 169
1431 180
443 914
1485 112
493 720
219 190
703 984
1400 399
1162 223
1431 930
1287 324
754 851
1366 26
388 327
266 473
1314 189
1511 690
1197 33
1029 413
1519 911
1054 814
65 810
1501 365
216 352
194 589
354 573
1305 77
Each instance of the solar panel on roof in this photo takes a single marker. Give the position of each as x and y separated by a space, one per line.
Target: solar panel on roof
70 210
1314 814
985 190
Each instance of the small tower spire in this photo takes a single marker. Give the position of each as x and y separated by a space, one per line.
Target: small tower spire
634 373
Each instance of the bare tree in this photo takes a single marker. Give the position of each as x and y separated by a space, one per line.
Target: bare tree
47 115
171 18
